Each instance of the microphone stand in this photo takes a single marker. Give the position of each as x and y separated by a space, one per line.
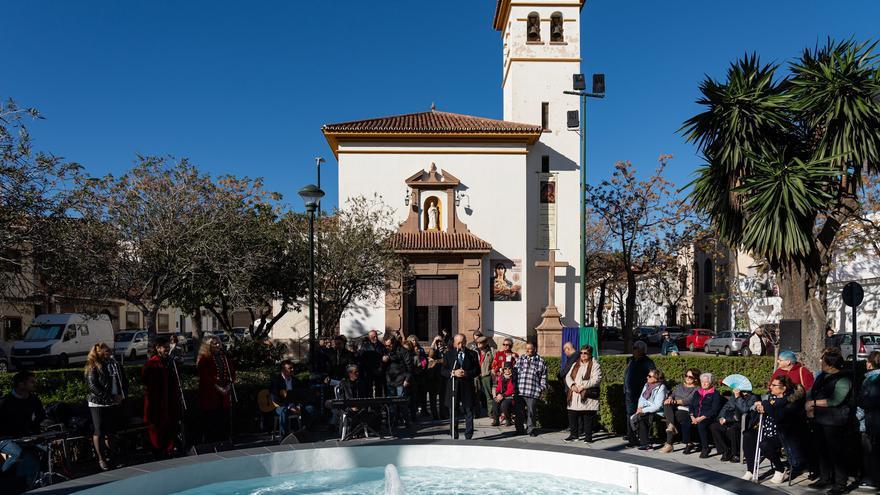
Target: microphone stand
182 435
453 425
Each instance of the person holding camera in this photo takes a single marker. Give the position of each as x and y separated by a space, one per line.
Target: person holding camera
583 395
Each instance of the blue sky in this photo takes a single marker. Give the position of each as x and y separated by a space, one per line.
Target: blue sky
244 87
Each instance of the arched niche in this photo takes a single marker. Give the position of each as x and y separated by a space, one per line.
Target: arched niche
432 214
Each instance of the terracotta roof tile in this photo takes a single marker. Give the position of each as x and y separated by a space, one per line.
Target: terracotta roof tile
433 121
438 241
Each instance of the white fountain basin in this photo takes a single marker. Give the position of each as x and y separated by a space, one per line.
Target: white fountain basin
630 473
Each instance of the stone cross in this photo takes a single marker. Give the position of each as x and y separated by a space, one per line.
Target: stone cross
551 265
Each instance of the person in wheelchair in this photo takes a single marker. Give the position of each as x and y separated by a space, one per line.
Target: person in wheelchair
21 413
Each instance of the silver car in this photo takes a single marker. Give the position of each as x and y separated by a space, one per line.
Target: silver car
131 344
729 343
868 342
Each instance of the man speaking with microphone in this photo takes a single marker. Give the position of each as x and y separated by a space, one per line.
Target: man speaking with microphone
460 367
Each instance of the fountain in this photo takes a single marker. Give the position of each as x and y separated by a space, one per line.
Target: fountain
418 465
393 485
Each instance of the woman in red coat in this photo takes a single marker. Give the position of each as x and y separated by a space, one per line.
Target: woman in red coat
216 379
162 407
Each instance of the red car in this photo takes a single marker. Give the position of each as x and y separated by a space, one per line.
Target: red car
696 338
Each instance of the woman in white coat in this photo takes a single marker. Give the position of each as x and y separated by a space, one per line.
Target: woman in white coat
582 398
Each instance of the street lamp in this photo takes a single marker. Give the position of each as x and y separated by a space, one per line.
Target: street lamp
311 195
579 85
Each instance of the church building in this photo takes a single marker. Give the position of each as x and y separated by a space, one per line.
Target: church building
482 203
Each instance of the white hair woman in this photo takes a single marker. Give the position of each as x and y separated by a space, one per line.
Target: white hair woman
704 408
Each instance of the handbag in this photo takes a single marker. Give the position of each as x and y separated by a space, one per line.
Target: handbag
591 393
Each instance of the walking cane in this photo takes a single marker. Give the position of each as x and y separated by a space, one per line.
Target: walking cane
758 448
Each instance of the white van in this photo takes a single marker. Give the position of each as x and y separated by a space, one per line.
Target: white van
61 339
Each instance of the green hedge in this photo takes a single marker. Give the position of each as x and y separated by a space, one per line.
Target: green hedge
612 413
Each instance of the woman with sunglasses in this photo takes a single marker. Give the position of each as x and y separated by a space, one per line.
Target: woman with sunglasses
780 407
505 355
650 405
582 398
676 412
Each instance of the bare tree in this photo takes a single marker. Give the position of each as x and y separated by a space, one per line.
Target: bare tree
638 214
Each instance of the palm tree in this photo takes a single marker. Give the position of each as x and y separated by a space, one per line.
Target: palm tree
784 163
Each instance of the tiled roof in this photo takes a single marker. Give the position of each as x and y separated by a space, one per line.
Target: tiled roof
431 122
438 241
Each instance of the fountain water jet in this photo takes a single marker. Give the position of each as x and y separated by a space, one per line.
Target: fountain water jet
393 486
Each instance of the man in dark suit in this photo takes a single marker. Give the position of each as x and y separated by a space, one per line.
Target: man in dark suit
460 366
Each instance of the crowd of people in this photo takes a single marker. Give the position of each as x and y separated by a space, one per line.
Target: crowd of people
477 378
804 425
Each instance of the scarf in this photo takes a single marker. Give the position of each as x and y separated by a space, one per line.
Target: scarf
705 391
569 395
649 389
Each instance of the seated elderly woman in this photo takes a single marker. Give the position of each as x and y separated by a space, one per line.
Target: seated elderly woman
726 430
650 406
704 408
505 391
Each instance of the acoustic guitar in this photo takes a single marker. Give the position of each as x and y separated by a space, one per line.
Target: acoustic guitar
265 402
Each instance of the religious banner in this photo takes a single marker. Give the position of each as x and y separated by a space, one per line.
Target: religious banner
547 212
506 280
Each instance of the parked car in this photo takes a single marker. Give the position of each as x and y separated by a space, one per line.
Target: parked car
4 362
645 334
729 343
130 344
60 339
696 338
868 342
610 333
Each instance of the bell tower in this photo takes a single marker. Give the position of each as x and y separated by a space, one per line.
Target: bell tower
541 42
541 50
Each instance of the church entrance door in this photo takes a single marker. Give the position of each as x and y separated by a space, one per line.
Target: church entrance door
431 306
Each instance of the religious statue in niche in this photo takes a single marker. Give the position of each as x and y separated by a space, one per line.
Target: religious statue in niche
506 284
432 214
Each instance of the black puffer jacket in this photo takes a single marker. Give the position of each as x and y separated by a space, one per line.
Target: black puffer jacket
399 368
100 383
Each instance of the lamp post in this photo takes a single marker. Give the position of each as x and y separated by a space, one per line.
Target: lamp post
311 194
579 86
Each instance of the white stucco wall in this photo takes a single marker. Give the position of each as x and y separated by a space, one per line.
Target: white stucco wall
493 178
